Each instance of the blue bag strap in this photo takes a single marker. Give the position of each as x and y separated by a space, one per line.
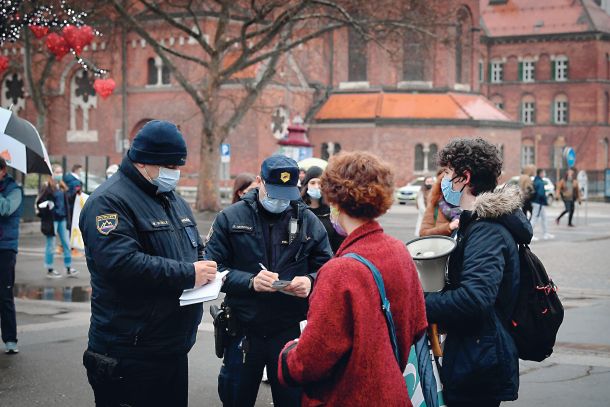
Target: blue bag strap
385 303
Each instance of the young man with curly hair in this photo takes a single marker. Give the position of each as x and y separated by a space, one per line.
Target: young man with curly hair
480 360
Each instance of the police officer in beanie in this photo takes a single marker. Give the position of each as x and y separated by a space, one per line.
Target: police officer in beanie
270 237
143 249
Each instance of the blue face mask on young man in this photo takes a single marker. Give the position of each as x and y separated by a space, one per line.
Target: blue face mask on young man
167 179
274 205
452 197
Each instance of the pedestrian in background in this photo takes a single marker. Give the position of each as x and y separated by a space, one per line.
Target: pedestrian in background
569 191
268 235
421 202
143 249
11 208
73 180
539 204
480 361
526 185
55 205
111 170
312 196
344 356
244 183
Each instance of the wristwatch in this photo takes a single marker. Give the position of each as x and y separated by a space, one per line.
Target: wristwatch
251 283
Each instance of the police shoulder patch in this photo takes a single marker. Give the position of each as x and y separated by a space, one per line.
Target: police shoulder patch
106 223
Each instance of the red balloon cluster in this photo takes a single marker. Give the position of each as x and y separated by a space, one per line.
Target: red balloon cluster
57 45
39 31
78 37
104 87
3 64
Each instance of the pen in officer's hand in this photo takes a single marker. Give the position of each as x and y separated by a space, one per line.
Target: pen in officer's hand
262 267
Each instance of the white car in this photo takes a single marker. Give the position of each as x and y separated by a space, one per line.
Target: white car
409 191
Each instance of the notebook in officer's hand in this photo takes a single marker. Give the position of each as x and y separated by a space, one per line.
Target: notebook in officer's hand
204 293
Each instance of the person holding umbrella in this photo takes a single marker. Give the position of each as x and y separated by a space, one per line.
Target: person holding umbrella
11 207
53 203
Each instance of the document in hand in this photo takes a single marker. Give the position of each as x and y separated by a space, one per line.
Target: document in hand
204 293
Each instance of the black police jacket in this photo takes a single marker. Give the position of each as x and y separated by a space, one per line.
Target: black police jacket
238 242
140 248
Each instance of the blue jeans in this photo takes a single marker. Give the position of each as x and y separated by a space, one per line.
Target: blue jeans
49 255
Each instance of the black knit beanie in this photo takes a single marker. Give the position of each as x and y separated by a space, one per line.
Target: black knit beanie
159 142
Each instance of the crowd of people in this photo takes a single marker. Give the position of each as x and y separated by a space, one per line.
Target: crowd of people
298 246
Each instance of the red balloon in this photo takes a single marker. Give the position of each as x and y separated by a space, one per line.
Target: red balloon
3 64
104 87
39 31
57 45
78 38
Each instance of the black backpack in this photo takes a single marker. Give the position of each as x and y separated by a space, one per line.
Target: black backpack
538 312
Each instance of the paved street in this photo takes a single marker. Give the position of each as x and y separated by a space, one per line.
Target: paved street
53 320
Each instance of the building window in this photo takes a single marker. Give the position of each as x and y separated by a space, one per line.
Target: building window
560 69
527 154
158 72
356 57
498 102
463 46
560 110
431 162
606 152
414 57
329 149
481 72
527 71
419 158
496 71
528 110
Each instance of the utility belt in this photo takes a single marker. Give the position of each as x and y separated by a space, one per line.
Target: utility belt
226 326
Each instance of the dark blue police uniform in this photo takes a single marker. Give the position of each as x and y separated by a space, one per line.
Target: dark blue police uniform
242 236
140 248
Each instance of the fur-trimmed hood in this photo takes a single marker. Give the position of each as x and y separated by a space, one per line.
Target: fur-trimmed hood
504 206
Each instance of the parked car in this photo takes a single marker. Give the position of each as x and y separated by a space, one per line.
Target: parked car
409 191
549 187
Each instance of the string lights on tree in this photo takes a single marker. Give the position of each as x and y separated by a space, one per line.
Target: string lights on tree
61 28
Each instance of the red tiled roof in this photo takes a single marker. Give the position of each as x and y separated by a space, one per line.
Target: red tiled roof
536 17
439 106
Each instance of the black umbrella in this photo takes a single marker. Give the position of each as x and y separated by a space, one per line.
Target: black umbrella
21 146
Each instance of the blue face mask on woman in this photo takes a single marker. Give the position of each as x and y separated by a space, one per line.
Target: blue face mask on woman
451 196
314 193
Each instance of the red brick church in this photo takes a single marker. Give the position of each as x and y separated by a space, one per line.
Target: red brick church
403 107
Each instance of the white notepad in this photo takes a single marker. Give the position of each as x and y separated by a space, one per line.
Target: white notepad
204 293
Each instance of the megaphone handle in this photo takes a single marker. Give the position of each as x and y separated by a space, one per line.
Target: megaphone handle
434 343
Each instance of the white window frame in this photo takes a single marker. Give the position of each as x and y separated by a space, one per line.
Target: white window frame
527 112
561 69
561 112
497 74
529 67
528 155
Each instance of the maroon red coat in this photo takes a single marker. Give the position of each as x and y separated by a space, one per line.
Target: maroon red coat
344 356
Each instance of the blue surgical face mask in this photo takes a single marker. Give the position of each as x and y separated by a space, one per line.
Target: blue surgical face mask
452 197
275 205
314 193
58 177
167 179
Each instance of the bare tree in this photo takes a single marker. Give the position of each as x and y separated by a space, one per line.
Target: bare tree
244 34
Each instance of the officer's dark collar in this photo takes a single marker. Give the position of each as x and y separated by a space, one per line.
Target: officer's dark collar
129 169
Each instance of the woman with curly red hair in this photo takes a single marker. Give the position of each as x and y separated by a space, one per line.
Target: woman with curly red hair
344 355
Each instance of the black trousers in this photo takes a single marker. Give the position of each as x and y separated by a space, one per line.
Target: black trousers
569 209
133 382
240 377
8 320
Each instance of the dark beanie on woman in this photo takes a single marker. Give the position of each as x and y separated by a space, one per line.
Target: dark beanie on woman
312 172
159 142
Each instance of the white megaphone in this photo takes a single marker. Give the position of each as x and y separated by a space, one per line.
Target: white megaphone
430 255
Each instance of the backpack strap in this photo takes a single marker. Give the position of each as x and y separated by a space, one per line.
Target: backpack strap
385 303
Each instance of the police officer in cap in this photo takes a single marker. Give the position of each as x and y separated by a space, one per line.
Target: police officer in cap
143 250
270 237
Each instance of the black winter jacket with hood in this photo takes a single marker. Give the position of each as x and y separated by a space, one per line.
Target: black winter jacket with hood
480 359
